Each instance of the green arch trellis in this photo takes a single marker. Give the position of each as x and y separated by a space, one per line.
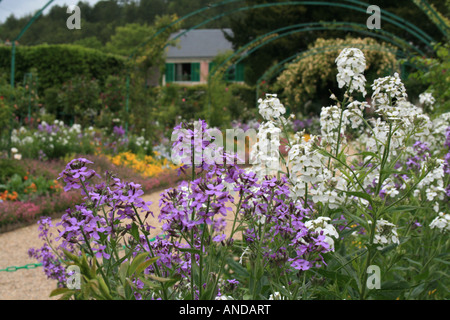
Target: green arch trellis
312 26
392 18
247 49
399 22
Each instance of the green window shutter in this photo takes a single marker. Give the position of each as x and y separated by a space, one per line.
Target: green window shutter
239 72
170 72
212 65
195 71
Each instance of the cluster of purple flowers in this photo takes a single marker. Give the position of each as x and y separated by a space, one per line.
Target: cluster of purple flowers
48 128
310 125
193 216
422 153
279 226
119 131
51 262
82 228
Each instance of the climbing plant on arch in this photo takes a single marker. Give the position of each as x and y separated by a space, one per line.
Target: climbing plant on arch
302 75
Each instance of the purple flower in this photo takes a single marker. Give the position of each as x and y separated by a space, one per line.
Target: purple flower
300 264
119 131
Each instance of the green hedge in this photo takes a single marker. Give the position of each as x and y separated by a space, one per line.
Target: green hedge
56 64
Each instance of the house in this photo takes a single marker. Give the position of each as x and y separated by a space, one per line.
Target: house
190 61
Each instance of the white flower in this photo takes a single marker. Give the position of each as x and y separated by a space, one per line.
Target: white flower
18 156
14 150
354 113
385 234
264 154
387 92
321 226
276 296
433 182
224 297
271 107
427 99
441 222
330 118
351 64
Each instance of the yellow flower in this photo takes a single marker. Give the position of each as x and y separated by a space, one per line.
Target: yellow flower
147 166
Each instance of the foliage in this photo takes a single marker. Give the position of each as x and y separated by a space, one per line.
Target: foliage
100 20
56 64
435 76
307 223
251 24
8 168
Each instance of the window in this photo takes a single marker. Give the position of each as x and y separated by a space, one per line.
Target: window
183 72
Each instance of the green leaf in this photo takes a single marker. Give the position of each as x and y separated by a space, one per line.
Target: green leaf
367 153
123 271
361 221
361 195
59 291
104 288
134 231
136 262
240 271
190 250
144 265
71 256
121 292
403 208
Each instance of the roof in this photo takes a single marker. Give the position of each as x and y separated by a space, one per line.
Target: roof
200 43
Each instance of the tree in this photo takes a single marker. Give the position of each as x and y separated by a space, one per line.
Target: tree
126 38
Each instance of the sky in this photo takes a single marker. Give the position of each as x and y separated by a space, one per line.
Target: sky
21 8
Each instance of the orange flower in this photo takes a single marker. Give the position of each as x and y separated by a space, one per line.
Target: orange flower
25 178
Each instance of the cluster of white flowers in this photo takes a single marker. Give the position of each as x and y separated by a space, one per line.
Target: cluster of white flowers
264 154
271 108
330 118
427 99
75 128
385 234
433 182
16 154
276 296
441 222
224 297
142 142
306 165
322 226
351 64
388 91
310 175
355 113
438 129
390 189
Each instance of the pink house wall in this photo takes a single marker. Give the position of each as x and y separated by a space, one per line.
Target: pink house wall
204 69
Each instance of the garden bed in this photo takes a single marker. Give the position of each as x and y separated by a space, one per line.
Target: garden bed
25 209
